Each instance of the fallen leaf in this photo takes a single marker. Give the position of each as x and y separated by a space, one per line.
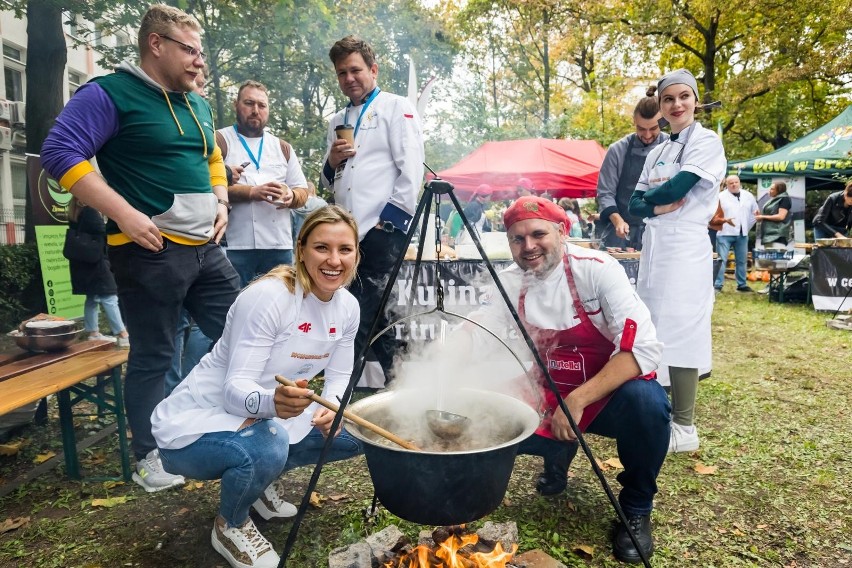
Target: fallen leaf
584 550
192 486
338 497
614 463
316 500
11 524
182 511
762 526
112 484
10 449
109 502
702 469
41 458
95 459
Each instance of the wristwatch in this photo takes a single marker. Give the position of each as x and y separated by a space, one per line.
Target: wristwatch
227 204
387 226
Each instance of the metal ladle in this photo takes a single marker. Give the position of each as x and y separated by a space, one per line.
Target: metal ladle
446 425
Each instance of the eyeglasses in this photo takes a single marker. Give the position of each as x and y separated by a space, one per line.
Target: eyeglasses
186 47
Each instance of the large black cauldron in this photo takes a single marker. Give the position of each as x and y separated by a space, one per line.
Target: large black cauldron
450 482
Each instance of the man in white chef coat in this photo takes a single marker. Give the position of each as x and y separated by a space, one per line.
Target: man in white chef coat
377 179
596 337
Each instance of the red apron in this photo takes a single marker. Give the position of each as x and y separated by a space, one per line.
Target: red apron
572 356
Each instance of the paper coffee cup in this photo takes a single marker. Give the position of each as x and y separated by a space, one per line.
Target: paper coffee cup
346 132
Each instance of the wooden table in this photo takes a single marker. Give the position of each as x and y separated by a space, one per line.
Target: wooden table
25 377
16 361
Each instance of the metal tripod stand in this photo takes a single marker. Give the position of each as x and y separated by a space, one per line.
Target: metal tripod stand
432 192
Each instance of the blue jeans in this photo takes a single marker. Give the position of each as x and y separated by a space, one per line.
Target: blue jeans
246 461
251 263
153 287
820 233
307 451
110 305
723 246
249 460
638 417
190 346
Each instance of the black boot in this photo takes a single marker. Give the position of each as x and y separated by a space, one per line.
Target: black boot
554 478
622 546
552 481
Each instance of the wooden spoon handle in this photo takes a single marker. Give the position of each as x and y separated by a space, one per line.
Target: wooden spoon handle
353 417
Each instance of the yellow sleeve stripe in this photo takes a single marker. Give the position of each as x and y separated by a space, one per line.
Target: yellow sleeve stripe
217 168
73 175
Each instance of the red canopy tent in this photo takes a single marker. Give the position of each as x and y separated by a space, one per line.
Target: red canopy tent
563 168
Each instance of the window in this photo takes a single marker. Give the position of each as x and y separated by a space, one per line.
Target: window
13 72
75 79
71 24
18 168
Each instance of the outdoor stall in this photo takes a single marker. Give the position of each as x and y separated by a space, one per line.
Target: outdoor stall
821 159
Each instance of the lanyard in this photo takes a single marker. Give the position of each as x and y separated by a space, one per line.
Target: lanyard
255 161
363 108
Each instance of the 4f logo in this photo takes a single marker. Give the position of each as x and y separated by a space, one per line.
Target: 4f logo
305 327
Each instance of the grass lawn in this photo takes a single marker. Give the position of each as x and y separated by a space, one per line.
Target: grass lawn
768 487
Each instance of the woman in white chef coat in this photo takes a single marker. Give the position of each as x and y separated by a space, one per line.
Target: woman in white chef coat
230 420
677 193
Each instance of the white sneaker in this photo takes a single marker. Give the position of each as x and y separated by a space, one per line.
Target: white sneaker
271 505
683 438
151 475
243 547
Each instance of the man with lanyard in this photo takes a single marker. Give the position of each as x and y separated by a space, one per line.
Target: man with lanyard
270 185
377 180
163 190
601 349
738 209
619 173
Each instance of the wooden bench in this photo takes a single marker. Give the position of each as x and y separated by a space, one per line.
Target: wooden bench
65 378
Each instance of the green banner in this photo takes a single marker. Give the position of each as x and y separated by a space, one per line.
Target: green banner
50 214
55 274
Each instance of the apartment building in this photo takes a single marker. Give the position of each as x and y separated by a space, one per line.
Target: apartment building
82 65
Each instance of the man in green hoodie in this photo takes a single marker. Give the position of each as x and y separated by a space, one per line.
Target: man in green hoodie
162 185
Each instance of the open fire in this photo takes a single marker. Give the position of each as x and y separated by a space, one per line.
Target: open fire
454 548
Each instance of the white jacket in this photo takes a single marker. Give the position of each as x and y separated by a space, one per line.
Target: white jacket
741 211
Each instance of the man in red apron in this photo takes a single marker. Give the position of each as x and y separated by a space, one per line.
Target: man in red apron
599 344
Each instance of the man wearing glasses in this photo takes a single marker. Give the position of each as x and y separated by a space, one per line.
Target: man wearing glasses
162 186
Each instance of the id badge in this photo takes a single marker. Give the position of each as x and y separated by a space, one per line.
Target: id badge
338 173
567 366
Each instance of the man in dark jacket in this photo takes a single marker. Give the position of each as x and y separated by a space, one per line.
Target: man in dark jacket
834 218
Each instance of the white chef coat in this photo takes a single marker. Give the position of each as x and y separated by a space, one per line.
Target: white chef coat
257 224
740 210
268 332
388 164
676 265
602 286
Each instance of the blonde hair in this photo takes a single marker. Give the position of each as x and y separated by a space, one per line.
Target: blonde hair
162 20
330 214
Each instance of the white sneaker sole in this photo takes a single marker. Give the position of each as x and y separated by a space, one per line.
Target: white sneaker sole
289 511
178 482
226 554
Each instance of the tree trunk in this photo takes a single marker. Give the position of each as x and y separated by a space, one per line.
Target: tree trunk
46 58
